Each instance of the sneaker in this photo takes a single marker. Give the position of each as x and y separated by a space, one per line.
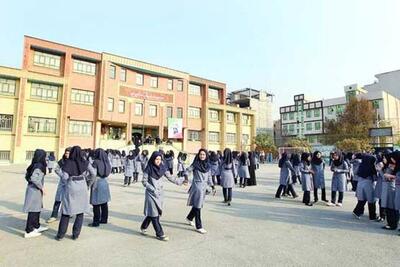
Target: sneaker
309 204
201 231
143 231
229 203
41 229
191 223
339 205
356 216
379 219
74 237
32 234
163 238
51 219
330 204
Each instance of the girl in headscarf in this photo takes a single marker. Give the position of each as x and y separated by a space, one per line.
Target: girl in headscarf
339 168
138 164
395 164
252 168
243 170
100 190
235 155
380 180
60 188
389 192
144 159
129 168
169 160
197 192
318 167
77 174
355 162
114 161
123 157
119 162
228 172
34 194
154 193
285 175
306 178
51 160
181 168
214 166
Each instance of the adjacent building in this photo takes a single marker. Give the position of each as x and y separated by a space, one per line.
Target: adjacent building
64 96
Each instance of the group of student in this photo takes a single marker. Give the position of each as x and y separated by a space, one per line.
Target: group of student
83 180
375 179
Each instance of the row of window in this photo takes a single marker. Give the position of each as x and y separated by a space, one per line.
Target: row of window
309 127
195 89
316 113
214 137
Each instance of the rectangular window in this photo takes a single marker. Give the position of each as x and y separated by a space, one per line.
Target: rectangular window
121 106
179 113
112 71
291 116
213 137
245 139
153 111
169 112
284 129
194 135
6 122
245 120
7 86
82 97
138 109
170 85
231 138
213 93
46 60
309 126
284 116
194 112
308 114
291 128
317 125
80 128
29 155
154 82
41 125
4 155
84 67
180 86
122 75
139 79
317 113
110 104
194 89
213 115
44 91
230 117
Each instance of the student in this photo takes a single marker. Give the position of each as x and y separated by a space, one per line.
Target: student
349 176
214 166
284 178
123 158
365 188
252 168
51 160
77 174
395 159
356 161
100 190
144 159
138 164
114 162
181 168
154 193
318 167
228 172
389 192
306 178
235 156
118 161
169 160
197 192
339 168
295 160
129 168
243 170
34 194
60 188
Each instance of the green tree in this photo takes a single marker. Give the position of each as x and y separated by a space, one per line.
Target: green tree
354 145
265 142
299 142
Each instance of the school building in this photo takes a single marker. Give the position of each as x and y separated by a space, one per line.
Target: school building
64 96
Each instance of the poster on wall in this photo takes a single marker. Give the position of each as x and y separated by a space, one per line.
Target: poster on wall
175 128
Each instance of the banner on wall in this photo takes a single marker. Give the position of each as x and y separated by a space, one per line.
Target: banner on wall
175 127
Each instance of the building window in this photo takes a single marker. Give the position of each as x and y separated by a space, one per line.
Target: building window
284 116
213 115
331 110
317 125
194 89
154 82
110 104
139 79
194 112
180 86
179 113
153 111
213 93
230 117
84 67
375 104
112 71
138 109
308 114
291 116
169 112
194 135
82 97
284 129
213 137
44 91
291 128
245 139
231 138
4 155
80 128
122 75
309 126
46 60
41 125
7 86
6 122
317 113
121 106
246 120
170 85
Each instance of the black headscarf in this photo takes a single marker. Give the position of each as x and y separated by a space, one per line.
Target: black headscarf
396 156
182 156
213 156
76 164
252 158
235 154
315 160
63 159
295 159
243 158
228 159
101 163
152 169
339 161
201 165
282 160
52 157
131 155
367 166
38 162
123 153
304 157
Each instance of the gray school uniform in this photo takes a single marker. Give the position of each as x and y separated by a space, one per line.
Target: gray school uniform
365 189
170 163
33 195
76 198
388 191
138 164
228 173
60 185
144 161
285 173
181 166
214 167
118 161
237 163
154 193
114 161
339 177
356 164
243 170
319 175
306 177
100 191
129 167
197 191
378 186
50 164
397 193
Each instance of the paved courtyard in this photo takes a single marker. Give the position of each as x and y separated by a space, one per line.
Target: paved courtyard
257 230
